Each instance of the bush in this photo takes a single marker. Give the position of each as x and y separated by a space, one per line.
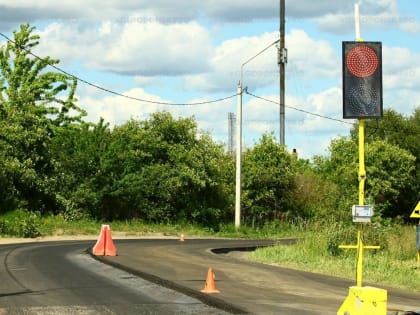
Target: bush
21 223
4 227
29 227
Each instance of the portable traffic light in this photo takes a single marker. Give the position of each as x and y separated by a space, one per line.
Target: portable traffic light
362 79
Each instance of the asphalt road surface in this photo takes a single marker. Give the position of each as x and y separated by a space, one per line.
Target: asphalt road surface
244 286
61 278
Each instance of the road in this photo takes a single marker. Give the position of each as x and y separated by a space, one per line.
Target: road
61 278
250 287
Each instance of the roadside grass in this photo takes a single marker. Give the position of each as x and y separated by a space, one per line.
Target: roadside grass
393 265
57 226
21 223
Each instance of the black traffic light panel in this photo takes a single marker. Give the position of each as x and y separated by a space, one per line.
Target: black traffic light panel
362 80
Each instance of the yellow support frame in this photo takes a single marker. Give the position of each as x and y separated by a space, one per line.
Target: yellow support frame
362 300
362 179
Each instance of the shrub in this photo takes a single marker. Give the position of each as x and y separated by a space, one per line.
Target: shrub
21 223
341 234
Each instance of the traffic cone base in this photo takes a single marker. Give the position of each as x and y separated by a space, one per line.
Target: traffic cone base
210 286
104 245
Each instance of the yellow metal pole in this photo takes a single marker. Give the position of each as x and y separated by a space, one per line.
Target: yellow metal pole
362 179
362 171
359 269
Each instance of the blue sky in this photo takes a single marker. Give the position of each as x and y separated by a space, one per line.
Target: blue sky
187 51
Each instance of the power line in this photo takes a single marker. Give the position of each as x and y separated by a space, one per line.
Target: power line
184 104
300 110
117 93
354 124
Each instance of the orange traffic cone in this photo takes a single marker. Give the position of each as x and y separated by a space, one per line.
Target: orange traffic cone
182 238
210 286
99 248
110 249
104 246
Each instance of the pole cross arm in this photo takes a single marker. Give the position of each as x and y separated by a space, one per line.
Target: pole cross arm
355 247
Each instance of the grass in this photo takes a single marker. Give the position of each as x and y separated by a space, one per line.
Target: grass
394 265
21 223
58 226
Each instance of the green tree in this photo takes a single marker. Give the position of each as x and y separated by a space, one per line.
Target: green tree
80 150
163 170
340 170
315 196
389 169
34 104
404 132
390 173
268 182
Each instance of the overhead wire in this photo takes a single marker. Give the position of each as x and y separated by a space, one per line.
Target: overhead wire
299 110
118 93
179 104
354 124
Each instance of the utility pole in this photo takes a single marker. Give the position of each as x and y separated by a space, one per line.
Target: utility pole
231 132
240 90
282 60
238 156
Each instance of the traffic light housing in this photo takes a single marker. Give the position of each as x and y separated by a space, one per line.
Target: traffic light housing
362 79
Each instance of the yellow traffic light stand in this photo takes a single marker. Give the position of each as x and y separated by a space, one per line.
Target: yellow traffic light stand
362 300
416 215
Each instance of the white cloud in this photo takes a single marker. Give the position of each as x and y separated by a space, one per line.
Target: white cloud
143 81
410 26
331 16
314 59
153 49
401 68
228 59
116 109
133 48
327 103
374 15
307 59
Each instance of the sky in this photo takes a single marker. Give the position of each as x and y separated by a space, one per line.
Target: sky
188 51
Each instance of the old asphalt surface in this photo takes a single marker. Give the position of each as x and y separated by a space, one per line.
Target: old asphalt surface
245 287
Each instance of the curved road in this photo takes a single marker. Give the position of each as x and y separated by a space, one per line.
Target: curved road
252 287
60 278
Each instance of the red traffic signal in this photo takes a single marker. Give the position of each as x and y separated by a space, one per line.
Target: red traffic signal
362 80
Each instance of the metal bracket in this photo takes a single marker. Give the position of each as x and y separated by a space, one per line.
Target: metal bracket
282 55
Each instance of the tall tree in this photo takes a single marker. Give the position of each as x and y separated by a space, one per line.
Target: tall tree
34 104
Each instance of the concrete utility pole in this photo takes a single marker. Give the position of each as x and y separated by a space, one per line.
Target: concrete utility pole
238 156
240 90
282 60
231 132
